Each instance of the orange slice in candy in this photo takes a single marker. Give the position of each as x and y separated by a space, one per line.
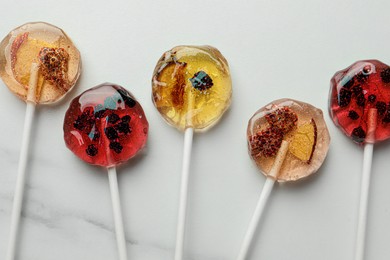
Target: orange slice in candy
304 141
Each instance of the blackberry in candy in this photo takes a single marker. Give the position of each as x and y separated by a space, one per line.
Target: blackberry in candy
100 113
126 119
344 97
123 127
353 115
201 80
113 118
84 122
111 133
362 77
358 134
360 100
116 146
91 150
371 98
385 75
386 118
381 107
357 90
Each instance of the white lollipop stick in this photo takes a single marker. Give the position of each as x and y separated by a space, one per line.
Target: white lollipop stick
365 185
181 222
188 136
118 219
19 190
267 188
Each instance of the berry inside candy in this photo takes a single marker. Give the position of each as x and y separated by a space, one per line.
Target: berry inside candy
354 91
105 125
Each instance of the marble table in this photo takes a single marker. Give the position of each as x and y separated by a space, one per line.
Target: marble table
275 49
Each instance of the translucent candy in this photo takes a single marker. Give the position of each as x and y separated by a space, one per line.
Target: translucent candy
354 92
298 123
192 86
48 46
105 125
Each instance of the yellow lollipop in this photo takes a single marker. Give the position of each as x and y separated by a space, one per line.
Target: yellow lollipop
191 90
192 86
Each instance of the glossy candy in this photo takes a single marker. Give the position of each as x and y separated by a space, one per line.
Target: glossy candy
192 86
302 125
59 61
105 125
354 91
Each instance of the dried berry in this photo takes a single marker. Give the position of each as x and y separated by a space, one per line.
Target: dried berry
386 118
91 150
123 127
54 66
116 146
201 80
113 118
358 134
353 115
361 77
360 100
100 113
381 107
84 122
126 119
111 133
371 98
344 97
385 75
266 142
282 118
357 90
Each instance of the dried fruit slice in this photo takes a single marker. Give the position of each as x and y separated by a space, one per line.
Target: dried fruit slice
304 141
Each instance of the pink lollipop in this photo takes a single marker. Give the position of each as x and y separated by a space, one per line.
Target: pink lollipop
288 140
106 126
359 106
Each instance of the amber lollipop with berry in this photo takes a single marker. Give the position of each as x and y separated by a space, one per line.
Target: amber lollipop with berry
359 106
39 64
288 140
106 126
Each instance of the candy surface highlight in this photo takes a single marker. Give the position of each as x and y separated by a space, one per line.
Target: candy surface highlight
49 47
192 86
105 125
354 92
298 123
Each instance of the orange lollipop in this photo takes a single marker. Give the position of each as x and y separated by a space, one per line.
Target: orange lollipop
39 64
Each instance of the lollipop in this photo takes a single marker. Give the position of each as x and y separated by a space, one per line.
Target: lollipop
106 126
39 64
191 90
359 105
288 140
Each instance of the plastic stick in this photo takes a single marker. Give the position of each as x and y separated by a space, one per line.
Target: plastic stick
365 185
188 136
118 219
267 188
21 177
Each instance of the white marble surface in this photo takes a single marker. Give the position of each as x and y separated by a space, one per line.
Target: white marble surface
275 49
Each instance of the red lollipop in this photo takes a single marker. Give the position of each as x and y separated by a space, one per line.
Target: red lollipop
359 105
106 126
